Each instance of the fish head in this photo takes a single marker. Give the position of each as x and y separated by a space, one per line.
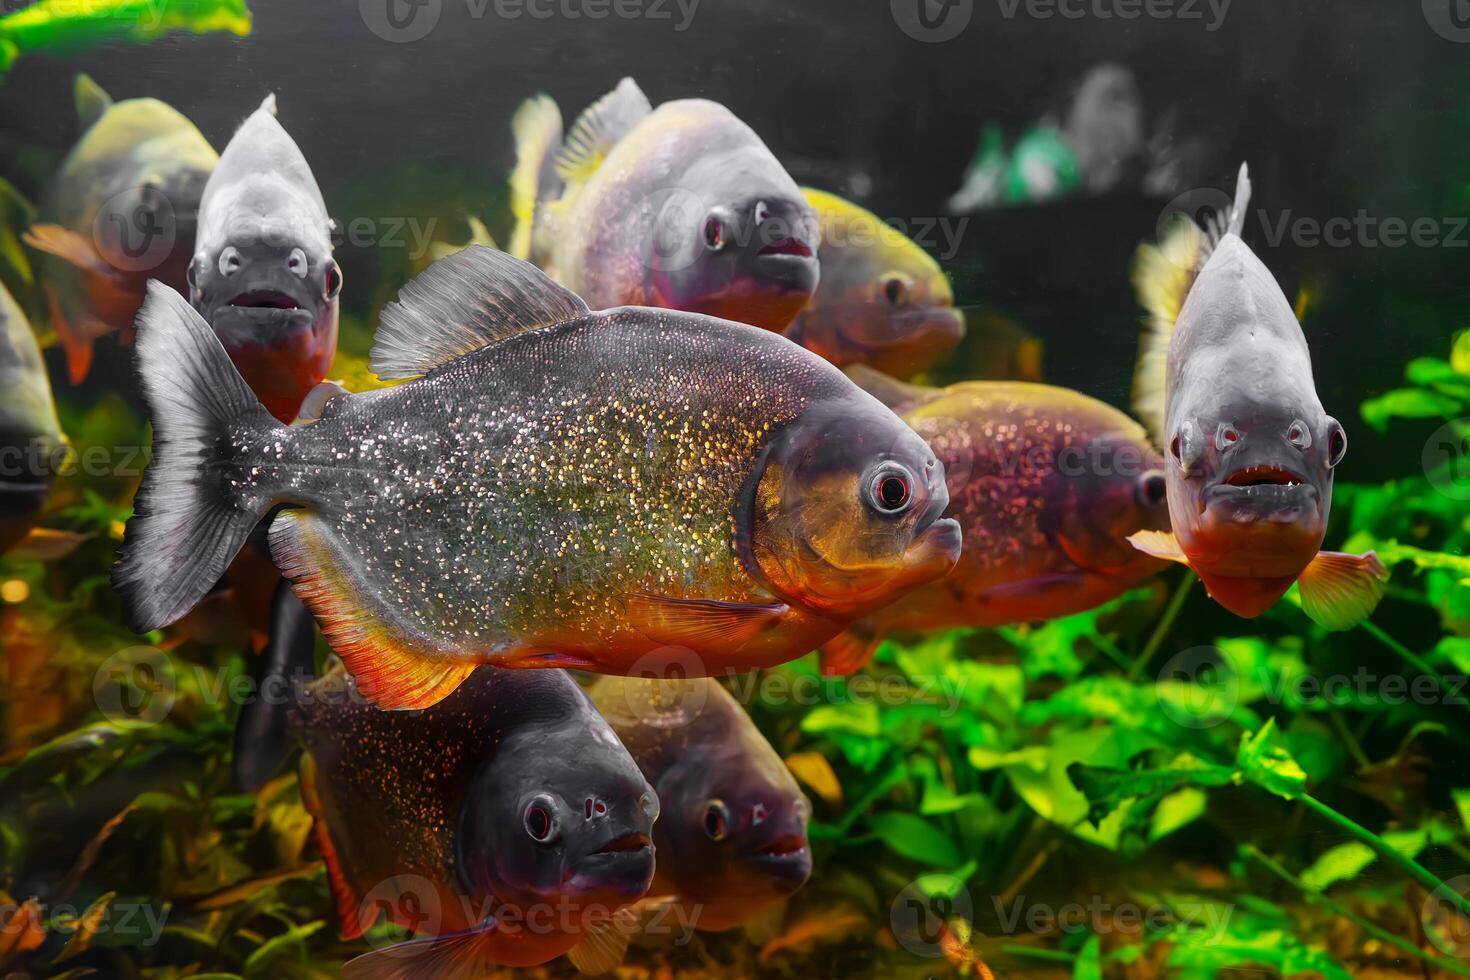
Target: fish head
734 829
149 227
263 273
560 815
882 300
846 509
1250 450
1106 488
739 241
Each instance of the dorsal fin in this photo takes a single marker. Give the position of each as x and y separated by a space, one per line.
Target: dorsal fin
1162 277
269 103
92 101
464 302
598 129
536 127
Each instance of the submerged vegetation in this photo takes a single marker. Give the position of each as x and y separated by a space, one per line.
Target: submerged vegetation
1149 787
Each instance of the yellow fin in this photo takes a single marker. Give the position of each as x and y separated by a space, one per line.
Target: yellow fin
537 129
393 667
598 129
1162 275
1160 544
92 101
604 943
1339 590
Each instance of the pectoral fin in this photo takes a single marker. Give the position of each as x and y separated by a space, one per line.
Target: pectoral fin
700 621
1160 544
846 653
1340 590
458 956
604 944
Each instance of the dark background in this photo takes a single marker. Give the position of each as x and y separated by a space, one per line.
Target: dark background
1338 106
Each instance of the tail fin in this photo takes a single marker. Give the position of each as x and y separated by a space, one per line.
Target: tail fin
189 518
1162 276
262 741
537 129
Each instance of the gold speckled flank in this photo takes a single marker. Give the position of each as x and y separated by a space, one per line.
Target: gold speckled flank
533 486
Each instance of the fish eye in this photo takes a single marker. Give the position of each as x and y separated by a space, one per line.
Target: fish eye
296 263
762 213
1299 435
714 233
890 489
895 290
229 261
1187 445
334 279
1152 488
716 820
1336 444
540 819
1226 436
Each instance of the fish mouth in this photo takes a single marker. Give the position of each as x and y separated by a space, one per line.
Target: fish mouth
786 859
633 842
1263 492
265 299
23 498
788 246
786 846
1264 476
943 537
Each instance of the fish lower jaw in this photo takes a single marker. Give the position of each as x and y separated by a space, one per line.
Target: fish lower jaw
1278 503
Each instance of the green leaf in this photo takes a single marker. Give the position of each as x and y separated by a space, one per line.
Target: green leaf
1264 761
915 838
856 718
1407 403
1177 810
1089 960
1340 863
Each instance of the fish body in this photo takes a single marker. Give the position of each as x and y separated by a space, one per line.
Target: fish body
731 834
681 207
1047 485
882 300
506 825
262 272
1251 452
121 210
558 488
32 447
63 26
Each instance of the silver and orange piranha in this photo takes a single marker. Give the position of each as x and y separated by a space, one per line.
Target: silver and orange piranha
681 207
1225 380
262 274
554 487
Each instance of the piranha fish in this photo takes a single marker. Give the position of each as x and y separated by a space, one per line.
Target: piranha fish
681 207
65 26
1225 379
882 300
507 822
556 487
31 444
262 272
731 836
120 211
1047 485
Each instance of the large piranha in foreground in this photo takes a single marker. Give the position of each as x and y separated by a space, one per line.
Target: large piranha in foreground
506 825
1225 379
1047 485
681 207
559 487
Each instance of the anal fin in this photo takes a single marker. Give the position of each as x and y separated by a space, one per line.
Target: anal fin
849 652
604 944
1340 590
394 667
466 955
